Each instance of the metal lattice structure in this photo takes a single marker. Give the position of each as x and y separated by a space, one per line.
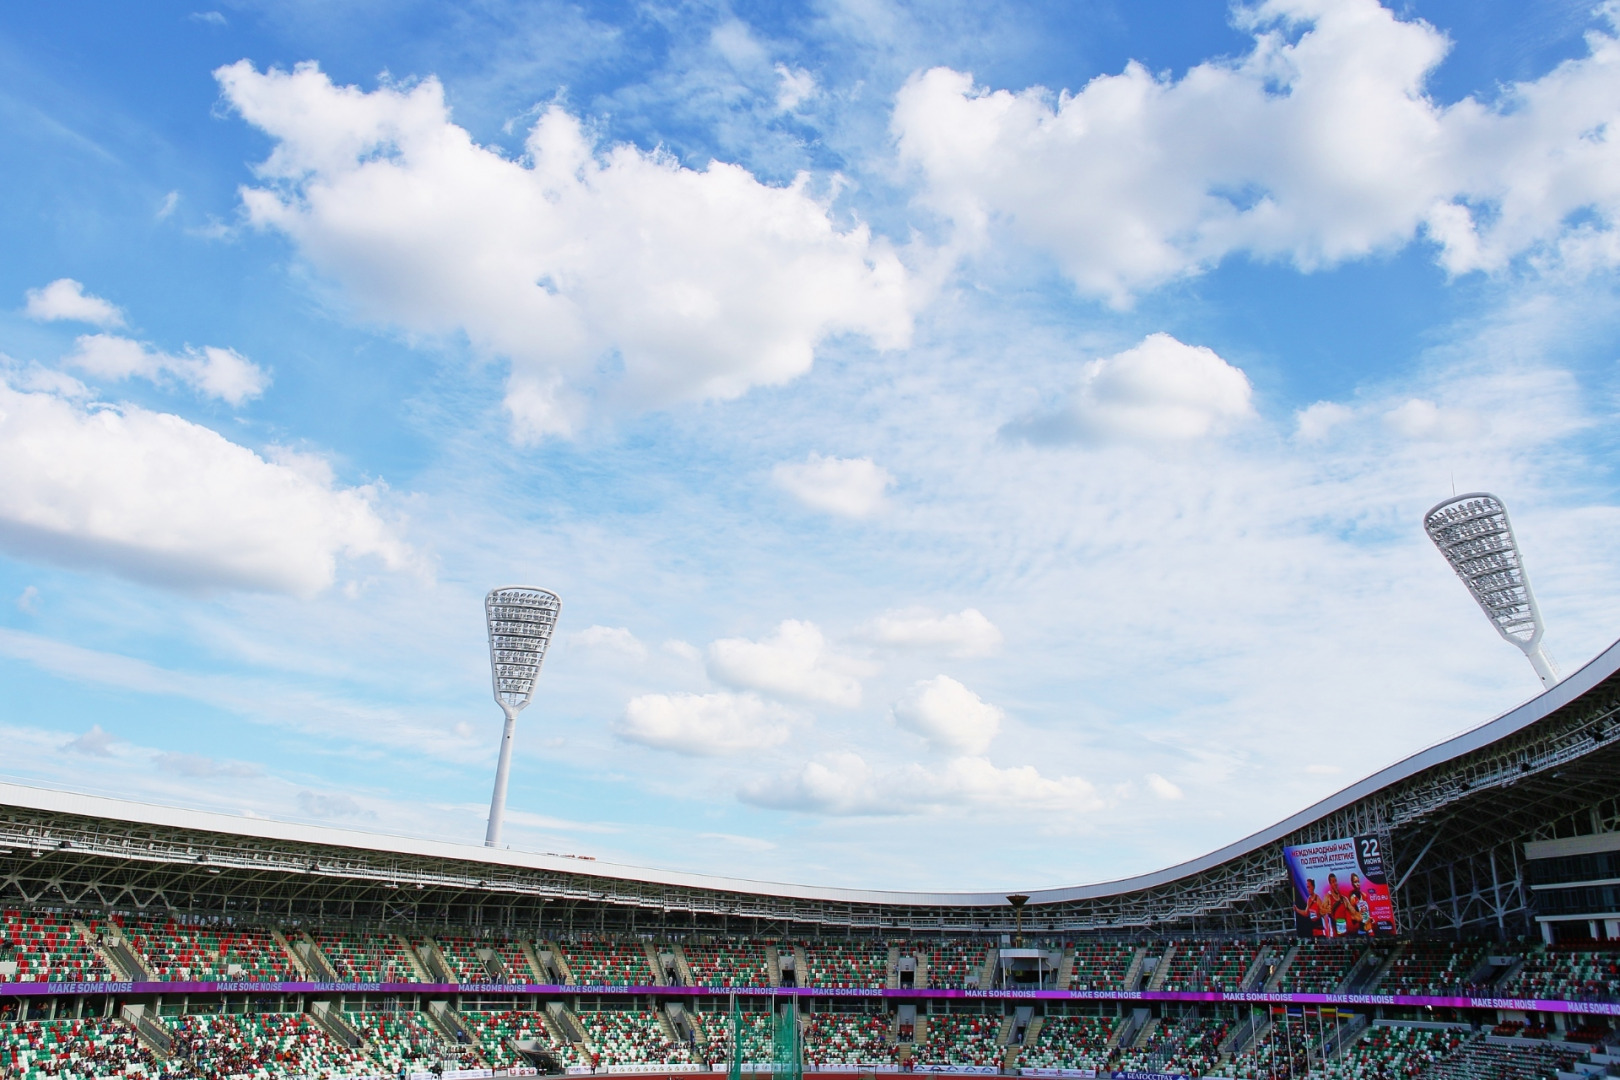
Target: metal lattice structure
1474 534
1454 819
521 621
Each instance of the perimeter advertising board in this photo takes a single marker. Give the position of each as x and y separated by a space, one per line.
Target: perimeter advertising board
1340 889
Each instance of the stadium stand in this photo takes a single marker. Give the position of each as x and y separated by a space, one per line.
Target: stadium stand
847 965
1575 974
1070 1042
458 955
1210 965
70 1050
366 957
955 964
1397 1052
632 1038
609 963
1433 967
1320 967
262 1046
1101 965
848 1039
725 964
45 947
1188 1047
196 953
500 1033
961 1040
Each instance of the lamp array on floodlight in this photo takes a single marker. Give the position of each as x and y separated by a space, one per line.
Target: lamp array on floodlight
1473 532
521 621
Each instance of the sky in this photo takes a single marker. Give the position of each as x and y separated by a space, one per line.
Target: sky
976 446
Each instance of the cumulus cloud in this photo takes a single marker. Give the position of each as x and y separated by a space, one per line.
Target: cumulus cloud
948 715
157 498
1418 418
794 662
966 633
214 372
1163 788
606 274
1317 145
706 725
1316 422
850 487
65 299
845 784
93 743
1158 391
616 639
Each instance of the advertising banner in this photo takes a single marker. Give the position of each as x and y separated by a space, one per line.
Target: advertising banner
1340 889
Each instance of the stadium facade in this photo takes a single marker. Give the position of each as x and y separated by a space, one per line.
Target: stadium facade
1501 846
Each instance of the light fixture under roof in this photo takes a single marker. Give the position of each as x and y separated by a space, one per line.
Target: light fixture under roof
1473 532
521 621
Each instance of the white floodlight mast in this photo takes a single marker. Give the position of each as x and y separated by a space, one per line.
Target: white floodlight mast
1473 532
521 621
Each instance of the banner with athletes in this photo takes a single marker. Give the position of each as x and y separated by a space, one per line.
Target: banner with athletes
1340 889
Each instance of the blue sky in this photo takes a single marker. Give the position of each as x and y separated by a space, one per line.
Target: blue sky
975 446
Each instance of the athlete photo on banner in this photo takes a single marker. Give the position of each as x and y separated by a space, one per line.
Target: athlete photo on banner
1340 889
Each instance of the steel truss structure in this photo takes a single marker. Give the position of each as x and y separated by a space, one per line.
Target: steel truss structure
1454 818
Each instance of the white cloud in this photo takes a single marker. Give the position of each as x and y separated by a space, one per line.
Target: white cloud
28 600
850 487
94 743
793 662
65 299
1316 422
222 373
845 784
794 86
1159 390
1163 788
949 715
610 275
156 498
966 633
706 725
1418 418
1318 145
166 207
610 639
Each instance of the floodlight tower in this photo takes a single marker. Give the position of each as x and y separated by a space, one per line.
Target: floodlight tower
1473 532
521 620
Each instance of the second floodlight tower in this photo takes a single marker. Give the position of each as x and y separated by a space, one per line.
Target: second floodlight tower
1473 532
521 621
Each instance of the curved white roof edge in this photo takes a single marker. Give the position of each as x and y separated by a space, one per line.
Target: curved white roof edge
53 800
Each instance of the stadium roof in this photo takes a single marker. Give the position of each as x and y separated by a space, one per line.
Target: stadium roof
1546 738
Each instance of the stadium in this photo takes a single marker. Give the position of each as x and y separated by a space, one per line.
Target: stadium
141 940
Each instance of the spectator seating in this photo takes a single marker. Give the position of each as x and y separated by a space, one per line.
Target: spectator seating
461 957
1186 1046
195 953
1101 965
757 1040
610 963
1432 967
70 1050
44 947
736 963
631 1038
261 1046
953 964
1210 965
843 965
848 1039
1321 965
366 957
1069 1042
1388 1052
961 1040
406 1040
496 1031
1570 974
1488 1059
